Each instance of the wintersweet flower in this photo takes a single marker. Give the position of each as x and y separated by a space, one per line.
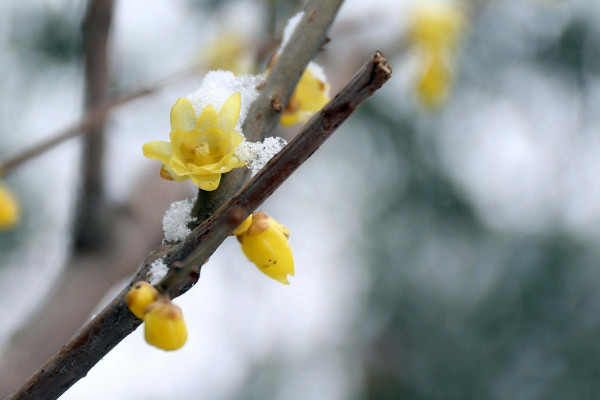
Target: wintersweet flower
436 26
228 52
164 325
139 298
310 95
10 212
201 147
265 243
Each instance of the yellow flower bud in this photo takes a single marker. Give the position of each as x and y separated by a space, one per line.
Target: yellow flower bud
139 297
10 212
265 244
164 325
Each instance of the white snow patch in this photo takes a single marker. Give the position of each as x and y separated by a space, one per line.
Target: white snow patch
158 270
176 219
290 27
258 154
217 86
317 71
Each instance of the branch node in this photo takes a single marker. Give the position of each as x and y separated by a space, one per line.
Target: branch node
276 105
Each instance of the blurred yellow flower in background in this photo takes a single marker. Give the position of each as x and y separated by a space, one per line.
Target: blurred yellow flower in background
435 30
201 148
436 25
10 211
228 52
434 82
265 243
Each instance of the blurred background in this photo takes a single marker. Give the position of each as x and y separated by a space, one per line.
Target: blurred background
445 238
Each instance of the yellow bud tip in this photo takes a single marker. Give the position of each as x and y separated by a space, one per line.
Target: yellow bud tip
164 325
10 211
139 297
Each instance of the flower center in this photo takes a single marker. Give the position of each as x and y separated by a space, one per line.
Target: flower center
202 149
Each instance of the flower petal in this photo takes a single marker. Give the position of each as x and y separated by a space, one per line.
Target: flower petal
207 120
158 150
182 115
208 182
289 120
230 112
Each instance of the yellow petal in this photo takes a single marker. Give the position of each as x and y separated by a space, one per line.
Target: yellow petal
158 150
289 120
207 182
10 212
183 116
167 173
230 112
207 120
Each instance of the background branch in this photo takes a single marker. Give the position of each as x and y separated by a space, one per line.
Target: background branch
92 210
115 322
91 119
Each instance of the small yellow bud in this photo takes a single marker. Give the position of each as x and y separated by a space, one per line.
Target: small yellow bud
10 212
164 325
265 244
243 226
139 297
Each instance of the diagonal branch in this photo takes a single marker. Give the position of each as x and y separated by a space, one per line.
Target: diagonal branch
115 322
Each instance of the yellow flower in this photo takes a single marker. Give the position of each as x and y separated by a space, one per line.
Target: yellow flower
201 148
139 297
436 25
310 95
10 212
435 30
265 243
228 52
434 83
164 325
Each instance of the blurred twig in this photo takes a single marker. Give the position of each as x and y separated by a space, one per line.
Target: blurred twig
115 322
91 119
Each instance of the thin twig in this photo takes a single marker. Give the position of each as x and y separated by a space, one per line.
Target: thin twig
115 322
91 119
303 45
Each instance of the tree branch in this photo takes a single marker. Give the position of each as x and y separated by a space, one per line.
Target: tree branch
308 37
90 222
115 322
91 119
